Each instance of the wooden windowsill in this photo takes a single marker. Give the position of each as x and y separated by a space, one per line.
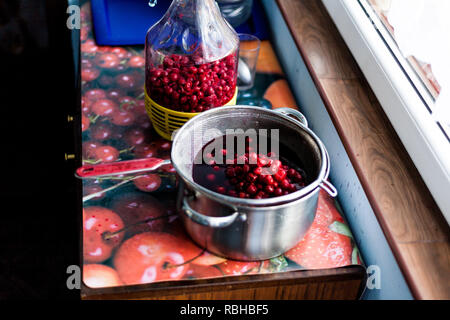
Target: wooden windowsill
411 221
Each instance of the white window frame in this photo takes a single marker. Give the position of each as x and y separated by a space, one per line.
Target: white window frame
404 104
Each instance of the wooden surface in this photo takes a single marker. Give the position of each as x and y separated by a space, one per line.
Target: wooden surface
339 283
413 224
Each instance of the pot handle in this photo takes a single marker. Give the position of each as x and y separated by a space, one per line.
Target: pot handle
299 117
325 184
214 222
329 188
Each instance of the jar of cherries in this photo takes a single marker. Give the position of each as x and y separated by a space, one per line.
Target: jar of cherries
191 59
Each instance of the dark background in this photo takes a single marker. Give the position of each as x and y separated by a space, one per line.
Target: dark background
39 211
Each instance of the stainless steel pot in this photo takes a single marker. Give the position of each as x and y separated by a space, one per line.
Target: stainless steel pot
248 229
242 229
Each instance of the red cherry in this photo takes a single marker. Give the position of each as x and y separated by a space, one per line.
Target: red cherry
127 81
104 107
269 189
268 179
85 122
276 164
107 60
120 52
106 154
85 106
195 254
84 34
232 193
86 63
104 49
88 149
89 47
93 188
126 100
285 184
163 145
134 136
252 189
291 172
144 122
95 94
221 190
278 192
114 94
297 177
230 172
137 108
89 74
106 81
97 222
101 131
100 276
169 168
122 117
136 62
202 272
280 175
148 183
120 68
134 208
146 151
151 256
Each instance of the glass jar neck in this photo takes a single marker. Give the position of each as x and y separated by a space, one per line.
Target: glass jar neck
197 6
196 2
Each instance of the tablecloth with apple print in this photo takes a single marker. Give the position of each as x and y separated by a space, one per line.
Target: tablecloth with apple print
131 231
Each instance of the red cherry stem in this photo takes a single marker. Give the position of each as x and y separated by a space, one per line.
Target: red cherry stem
126 150
126 178
218 268
126 103
140 96
96 194
93 119
91 161
167 265
108 235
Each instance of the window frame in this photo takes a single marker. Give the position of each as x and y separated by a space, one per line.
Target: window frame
405 103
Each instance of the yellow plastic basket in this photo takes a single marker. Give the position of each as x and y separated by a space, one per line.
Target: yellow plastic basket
166 121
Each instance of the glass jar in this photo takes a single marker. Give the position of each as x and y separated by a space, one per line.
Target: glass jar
191 58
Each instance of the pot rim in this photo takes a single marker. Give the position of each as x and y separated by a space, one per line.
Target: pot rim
267 202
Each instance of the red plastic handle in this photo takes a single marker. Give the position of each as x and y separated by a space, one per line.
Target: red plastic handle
120 167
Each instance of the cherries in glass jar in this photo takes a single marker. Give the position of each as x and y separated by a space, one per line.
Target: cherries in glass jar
183 83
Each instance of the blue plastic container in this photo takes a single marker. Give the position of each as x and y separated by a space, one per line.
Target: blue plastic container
125 22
